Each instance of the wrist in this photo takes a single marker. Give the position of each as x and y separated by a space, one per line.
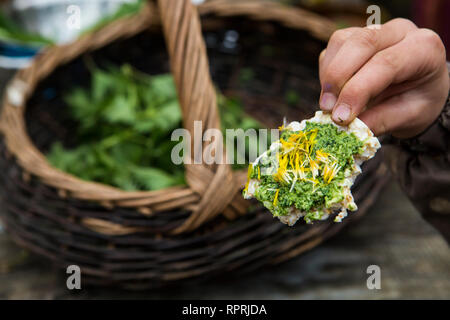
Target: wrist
434 138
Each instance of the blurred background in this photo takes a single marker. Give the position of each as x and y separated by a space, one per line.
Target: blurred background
414 258
28 25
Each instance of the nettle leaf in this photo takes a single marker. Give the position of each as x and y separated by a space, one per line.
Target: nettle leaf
102 83
153 178
120 110
249 123
81 105
144 125
164 85
126 119
124 180
59 157
168 116
129 154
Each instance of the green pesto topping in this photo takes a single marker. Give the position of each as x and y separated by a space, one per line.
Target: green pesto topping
307 170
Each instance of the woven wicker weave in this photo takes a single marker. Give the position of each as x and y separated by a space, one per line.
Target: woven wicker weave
202 229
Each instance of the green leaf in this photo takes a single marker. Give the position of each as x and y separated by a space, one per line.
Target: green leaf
10 31
120 111
153 178
164 86
125 10
126 118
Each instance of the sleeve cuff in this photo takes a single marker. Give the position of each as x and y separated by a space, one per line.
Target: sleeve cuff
435 138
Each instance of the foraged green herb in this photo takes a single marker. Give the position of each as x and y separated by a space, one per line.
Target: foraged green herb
125 121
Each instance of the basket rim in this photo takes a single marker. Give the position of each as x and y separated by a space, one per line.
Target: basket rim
23 84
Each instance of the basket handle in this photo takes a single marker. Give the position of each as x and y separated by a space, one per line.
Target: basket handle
189 64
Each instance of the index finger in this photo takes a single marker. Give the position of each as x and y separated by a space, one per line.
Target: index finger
354 53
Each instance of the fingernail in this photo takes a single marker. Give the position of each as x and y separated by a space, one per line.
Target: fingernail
342 113
328 101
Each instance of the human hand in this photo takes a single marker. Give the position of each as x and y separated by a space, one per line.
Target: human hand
395 78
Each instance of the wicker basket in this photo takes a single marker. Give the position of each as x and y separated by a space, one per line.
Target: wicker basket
149 239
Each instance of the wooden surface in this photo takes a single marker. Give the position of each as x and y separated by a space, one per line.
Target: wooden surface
414 261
